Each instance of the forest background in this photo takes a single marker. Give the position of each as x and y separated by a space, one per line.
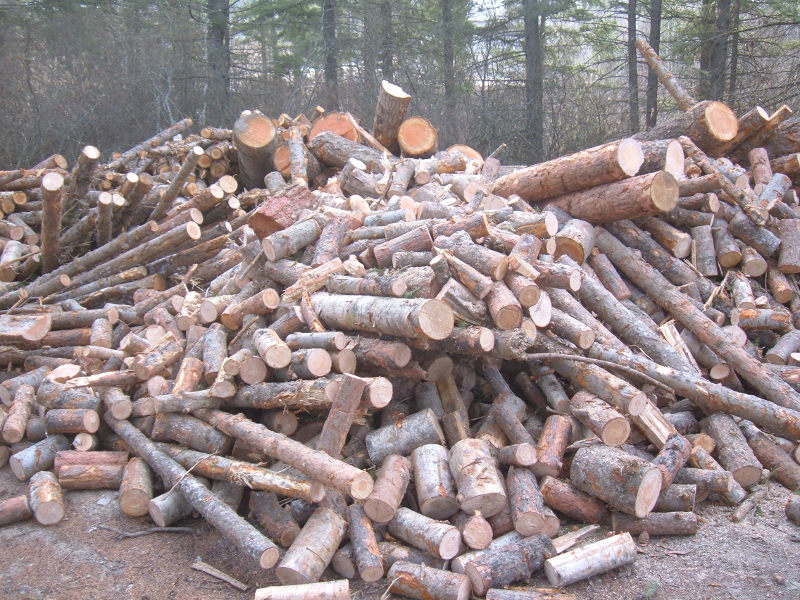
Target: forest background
546 77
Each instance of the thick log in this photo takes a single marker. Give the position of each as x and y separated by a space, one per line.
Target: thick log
254 137
417 137
334 151
46 498
312 549
525 499
589 168
189 431
607 423
38 457
402 437
419 581
671 458
390 486
434 484
389 114
136 488
592 559
628 199
90 477
732 450
18 414
491 263
516 561
625 482
663 155
281 211
771 456
14 510
789 258
277 522
480 486
440 539
707 123
393 316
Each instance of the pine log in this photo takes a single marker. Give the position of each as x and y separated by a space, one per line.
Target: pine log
592 559
38 457
18 414
52 194
426 583
189 431
501 566
663 155
434 484
441 539
625 482
417 137
326 590
312 549
708 123
525 499
771 456
491 263
14 510
480 486
628 199
668 80
551 446
136 488
592 167
365 546
277 522
46 498
281 211
334 150
393 316
608 424
476 532
254 136
789 258
401 438
390 486
732 450
792 509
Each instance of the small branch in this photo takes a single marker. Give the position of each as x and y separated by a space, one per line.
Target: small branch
206 568
134 534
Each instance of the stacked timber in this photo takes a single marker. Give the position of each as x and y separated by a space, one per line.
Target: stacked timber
283 307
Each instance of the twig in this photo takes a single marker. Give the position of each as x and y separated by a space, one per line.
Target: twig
206 568
749 504
600 363
134 534
717 290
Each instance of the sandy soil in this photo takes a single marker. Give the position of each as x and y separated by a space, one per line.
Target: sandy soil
757 558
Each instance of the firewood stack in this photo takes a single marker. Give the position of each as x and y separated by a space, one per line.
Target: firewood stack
406 363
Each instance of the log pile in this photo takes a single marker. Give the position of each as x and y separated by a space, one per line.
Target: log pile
405 363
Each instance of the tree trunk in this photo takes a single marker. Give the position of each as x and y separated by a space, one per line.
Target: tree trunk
651 109
534 80
633 70
330 97
719 50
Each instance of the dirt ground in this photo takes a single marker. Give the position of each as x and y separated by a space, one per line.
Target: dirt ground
757 558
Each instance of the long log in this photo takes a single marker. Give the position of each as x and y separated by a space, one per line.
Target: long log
219 515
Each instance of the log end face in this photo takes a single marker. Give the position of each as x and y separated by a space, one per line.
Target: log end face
486 339
747 475
49 512
361 486
378 510
254 131
269 558
436 319
664 191
133 502
52 182
722 121
630 156
394 90
647 494
675 163
616 431
450 544
439 508
637 404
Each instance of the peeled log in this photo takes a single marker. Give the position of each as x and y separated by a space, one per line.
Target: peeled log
391 316
627 199
592 559
572 173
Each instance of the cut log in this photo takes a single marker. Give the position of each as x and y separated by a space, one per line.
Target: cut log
551 446
608 424
365 546
625 482
417 138
426 583
592 559
18 415
525 499
671 458
278 523
789 258
401 438
475 530
780 463
52 194
136 489
189 431
501 566
390 486
325 590
628 199
312 549
435 487
589 168
46 498
393 316
38 457
440 539
570 501
668 80
732 450
708 123
480 486
255 138
14 510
